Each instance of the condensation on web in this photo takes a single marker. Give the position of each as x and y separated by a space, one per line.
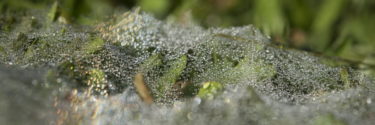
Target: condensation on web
285 82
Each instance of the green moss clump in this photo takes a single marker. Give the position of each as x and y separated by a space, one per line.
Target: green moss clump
21 43
264 71
95 77
210 89
2 50
93 45
80 76
228 66
344 76
172 74
96 81
150 63
68 70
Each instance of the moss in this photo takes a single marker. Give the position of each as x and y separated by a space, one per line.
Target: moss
94 45
234 73
2 50
344 77
231 71
263 70
29 53
172 74
150 63
21 42
24 44
96 82
95 77
67 69
187 88
63 30
82 77
228 66
37 48
210 89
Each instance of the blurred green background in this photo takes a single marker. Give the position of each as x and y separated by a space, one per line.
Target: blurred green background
342 28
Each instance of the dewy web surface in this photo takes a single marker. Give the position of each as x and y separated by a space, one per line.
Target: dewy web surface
92 70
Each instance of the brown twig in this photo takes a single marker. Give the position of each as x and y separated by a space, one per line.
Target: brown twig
142 89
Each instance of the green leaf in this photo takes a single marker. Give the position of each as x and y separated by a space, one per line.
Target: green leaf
54 13
268 16
326 16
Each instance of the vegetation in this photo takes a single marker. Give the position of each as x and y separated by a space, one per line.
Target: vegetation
106 61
